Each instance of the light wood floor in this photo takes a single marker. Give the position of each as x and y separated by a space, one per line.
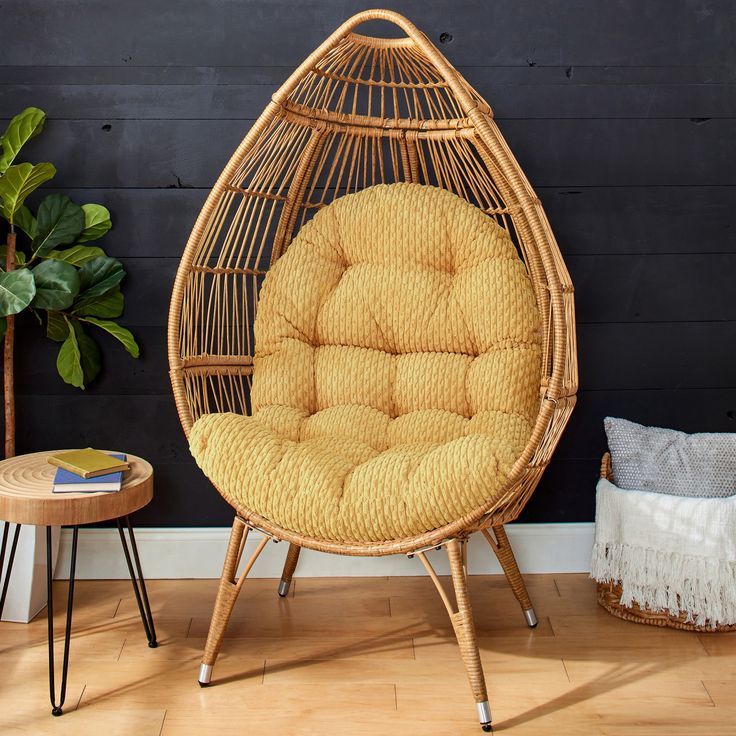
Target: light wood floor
365 656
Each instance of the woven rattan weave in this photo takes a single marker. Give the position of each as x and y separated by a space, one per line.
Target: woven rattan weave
361 111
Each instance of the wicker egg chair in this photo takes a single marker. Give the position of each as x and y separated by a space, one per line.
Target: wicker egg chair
359 112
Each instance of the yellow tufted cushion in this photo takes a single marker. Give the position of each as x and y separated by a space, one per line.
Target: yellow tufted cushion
396 375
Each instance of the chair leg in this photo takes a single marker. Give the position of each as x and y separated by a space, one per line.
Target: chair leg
292 557
227 594
502 547
462 623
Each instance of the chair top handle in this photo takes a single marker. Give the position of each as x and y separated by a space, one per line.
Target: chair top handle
413 36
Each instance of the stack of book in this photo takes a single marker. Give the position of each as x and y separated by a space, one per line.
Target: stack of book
88 471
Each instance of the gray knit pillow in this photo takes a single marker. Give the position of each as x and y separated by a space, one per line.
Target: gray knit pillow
667 461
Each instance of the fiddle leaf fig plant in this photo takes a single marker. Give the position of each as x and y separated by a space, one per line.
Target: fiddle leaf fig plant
57 271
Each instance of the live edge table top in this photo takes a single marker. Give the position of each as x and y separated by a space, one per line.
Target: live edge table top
26 496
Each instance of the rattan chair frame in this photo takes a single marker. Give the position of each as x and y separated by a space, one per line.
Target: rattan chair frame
363 110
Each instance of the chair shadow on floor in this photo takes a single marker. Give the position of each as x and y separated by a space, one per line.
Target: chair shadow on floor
640 664
618 675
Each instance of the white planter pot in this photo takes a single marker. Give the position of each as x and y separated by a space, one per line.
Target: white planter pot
27 589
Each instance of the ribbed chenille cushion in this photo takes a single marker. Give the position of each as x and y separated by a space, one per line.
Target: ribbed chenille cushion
396 376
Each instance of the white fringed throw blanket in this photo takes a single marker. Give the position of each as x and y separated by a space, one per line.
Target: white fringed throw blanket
669 552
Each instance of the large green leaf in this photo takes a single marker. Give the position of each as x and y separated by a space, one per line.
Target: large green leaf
77 255
56 326
69 360
99 275
60 221
57 284
18 182
122 334
20 130
110 304
96 222
25 221
89 352
17 289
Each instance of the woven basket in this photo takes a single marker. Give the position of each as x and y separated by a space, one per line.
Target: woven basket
609 596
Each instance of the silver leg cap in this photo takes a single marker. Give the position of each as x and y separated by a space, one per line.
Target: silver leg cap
484 713
531 618
205 674
284 586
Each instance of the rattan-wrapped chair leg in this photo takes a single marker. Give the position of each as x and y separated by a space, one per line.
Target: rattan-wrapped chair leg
227 594
461 617
292 557
502 547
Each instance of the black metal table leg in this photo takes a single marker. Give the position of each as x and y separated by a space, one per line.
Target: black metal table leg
56 710
3 548
141 594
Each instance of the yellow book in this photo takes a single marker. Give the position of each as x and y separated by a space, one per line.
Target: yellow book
88 463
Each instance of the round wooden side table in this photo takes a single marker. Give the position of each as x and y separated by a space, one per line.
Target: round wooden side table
26 498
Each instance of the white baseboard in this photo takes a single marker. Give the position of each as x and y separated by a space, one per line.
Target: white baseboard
199 553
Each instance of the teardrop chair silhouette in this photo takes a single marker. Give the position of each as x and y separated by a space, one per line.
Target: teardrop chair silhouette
413 362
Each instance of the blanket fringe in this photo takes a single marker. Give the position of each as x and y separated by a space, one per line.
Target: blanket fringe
703 588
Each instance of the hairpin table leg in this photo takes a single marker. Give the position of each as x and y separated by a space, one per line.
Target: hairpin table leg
11 557
141 594
56 709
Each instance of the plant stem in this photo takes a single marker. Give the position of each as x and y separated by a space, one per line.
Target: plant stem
8 390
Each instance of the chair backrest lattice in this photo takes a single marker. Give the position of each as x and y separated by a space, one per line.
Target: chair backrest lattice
359 111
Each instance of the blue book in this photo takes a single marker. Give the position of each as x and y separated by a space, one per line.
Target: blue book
66 482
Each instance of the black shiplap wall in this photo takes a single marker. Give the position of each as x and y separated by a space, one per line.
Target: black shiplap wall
622 113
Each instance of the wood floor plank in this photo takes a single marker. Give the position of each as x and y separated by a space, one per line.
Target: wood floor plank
35 633
25 688
669 720
316 722
599 625
477 584
298 698
719 644
513 708
337 646
426 610
283 615
498 661
722 692
366 656
122 722
339 586
538 648
103 645
173 684
668 667
394 671
167 597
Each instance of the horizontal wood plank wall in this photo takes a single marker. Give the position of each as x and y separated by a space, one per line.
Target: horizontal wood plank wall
622 113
